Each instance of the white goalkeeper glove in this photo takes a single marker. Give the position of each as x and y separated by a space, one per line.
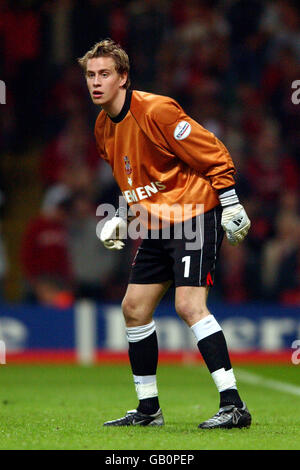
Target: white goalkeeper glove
114 230
235 223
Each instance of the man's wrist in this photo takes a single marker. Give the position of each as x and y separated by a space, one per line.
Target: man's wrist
228 196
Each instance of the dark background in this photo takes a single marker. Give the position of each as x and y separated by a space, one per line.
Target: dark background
230 64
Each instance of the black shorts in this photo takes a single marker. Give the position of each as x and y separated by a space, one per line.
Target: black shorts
179 258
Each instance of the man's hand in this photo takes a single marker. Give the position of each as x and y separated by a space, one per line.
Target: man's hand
113 232
235 223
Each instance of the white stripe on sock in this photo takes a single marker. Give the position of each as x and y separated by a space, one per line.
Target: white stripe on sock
137 333
145 386
144 379
205 327
224 379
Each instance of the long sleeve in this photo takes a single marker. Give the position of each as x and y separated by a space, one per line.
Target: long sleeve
192 143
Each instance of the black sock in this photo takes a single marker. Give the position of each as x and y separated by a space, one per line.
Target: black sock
143 357
149 406
230 397
215 354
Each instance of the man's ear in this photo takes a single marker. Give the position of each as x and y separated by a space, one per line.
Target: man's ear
123 79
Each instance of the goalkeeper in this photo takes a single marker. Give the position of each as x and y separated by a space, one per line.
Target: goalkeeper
160 156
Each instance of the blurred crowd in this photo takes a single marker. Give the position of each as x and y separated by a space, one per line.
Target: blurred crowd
230 64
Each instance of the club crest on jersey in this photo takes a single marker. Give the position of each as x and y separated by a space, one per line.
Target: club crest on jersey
128 169
182 130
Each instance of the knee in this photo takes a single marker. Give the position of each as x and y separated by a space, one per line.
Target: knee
189 312
130 310
134 312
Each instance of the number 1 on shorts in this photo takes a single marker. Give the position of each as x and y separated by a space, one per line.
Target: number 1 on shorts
187 263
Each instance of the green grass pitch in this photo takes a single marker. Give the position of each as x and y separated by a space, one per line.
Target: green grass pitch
63 407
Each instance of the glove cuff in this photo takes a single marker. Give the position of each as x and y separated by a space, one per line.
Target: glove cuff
228 197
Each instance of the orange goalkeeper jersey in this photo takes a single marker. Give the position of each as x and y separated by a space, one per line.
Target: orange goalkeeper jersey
160 157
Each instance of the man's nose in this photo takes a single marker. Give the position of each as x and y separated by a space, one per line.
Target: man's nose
96 81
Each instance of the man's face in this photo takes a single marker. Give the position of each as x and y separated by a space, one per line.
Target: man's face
103 81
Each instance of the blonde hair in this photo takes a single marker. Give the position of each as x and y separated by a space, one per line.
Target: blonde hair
108 48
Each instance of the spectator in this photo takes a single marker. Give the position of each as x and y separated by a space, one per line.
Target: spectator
269 170
93 265
281 257
44 250
64 100
74 147
233 273
21 59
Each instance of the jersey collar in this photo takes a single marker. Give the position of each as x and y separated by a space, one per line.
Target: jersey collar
125 109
